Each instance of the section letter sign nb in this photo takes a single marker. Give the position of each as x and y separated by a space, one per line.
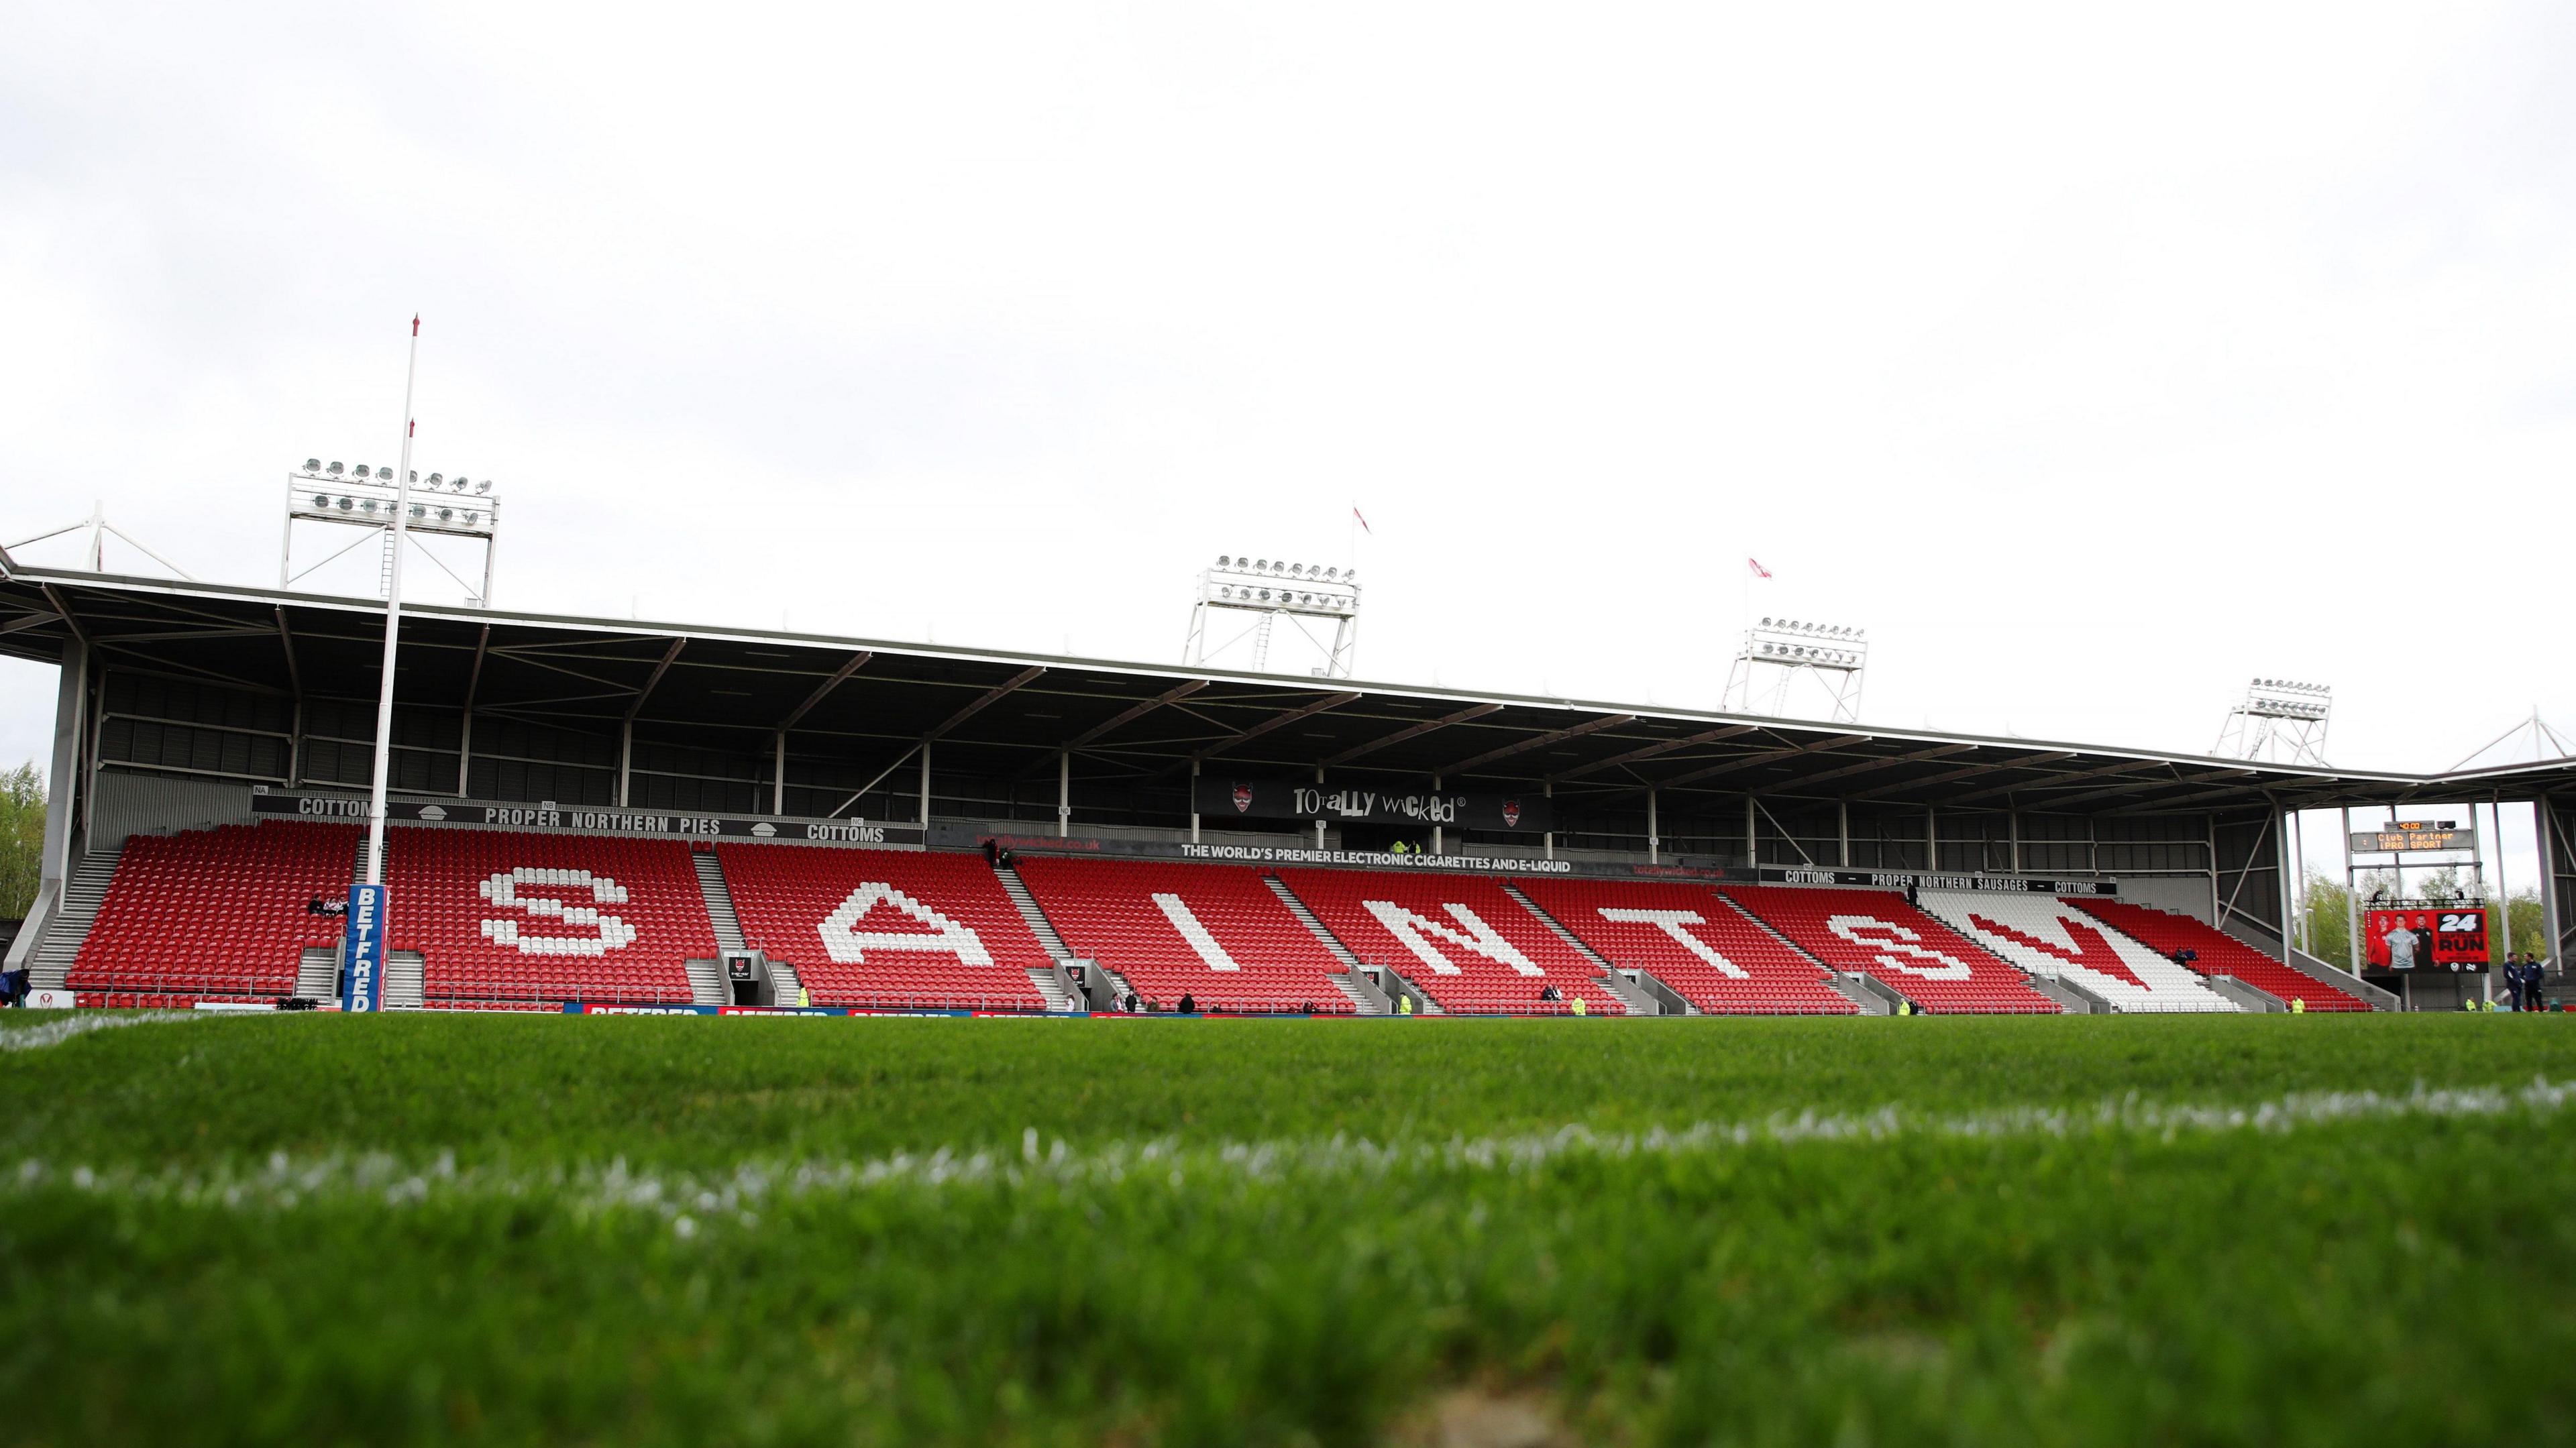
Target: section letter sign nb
364 954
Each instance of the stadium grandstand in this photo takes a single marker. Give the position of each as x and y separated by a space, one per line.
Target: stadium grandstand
597 814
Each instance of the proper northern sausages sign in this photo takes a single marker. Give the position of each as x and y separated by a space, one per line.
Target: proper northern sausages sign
592 820
1220 797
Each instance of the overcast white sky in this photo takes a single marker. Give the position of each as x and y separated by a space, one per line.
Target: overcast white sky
2094 362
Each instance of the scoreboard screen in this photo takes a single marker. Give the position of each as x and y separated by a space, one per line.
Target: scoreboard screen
2410 836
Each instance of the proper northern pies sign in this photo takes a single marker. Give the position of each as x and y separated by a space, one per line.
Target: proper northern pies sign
1219 797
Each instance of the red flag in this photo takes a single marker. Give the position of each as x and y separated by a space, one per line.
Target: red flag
1758 570
1363 521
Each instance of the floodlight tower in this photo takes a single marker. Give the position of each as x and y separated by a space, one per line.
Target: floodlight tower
1778 652
2279 722
365 498
1271 591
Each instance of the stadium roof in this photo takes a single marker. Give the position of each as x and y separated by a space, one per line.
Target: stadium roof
1007 712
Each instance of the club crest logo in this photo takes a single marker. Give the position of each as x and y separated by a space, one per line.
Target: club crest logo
1511 814
1243 799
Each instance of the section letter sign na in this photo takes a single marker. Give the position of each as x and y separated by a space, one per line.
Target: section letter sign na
365 951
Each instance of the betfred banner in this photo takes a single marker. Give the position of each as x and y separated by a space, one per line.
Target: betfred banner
2425 938
365 952
1218 797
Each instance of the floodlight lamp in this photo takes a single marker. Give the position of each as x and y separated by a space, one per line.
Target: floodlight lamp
446 513
1224 560
438 480
471 517
313 465
335 470
1262 566
484 486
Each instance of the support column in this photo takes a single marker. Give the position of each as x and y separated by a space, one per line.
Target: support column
778 777
625 758
1842 832
1654 836
2281 854
2012 824
1319 819
1063 793
925 791
1438 840
1752 842
465 755
1931 839
62 787
2209 822
2544 831
2504 904
2351 902
1194 801
2299 867
1547 841
295 745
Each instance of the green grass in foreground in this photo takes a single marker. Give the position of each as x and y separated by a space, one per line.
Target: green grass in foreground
2396 1274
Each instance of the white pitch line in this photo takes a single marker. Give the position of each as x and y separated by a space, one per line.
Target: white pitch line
54 1033
741 1191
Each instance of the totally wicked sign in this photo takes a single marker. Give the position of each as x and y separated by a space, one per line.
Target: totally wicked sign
1280 799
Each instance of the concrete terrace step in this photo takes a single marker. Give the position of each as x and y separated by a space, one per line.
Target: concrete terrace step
707 986
1307 918
317 973
1056 999
1875 997
719 900
51 962
1039 925
1631 997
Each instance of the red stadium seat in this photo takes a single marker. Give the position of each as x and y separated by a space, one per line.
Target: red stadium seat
1212 932
218 914
506 915
1469 945
886 929
2056 940
1876 933
2220 953
1689 939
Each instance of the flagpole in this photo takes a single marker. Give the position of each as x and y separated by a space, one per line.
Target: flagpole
393 627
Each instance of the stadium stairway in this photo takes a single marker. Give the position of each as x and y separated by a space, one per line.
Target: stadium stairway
1349 981
783 976
1871 996
1027 905
707 982
1638 1000
1058 999
50 964
317 973
405 971
1362 1001
719 898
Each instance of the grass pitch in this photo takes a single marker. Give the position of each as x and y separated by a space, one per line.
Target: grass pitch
687 1230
